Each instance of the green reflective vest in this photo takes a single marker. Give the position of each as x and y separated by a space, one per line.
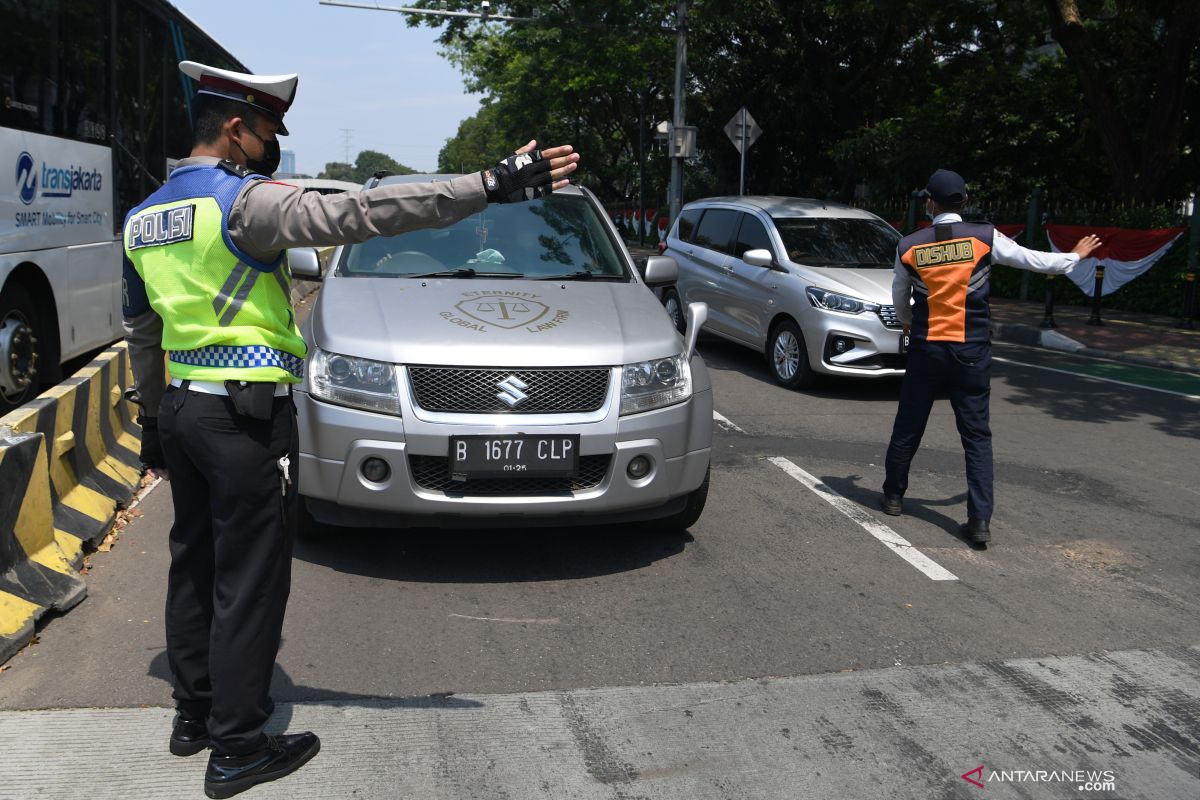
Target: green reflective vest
226 316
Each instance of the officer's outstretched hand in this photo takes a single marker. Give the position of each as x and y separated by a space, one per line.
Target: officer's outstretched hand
529 173
1084 247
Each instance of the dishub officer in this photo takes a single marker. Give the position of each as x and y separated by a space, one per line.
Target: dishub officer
940 287
206 280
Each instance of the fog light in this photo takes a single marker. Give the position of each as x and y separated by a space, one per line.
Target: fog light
639 467
841 345
376 470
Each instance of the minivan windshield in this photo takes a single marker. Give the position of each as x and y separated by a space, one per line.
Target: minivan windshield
560 236
825 242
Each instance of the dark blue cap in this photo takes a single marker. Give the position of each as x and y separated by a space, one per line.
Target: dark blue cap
946 187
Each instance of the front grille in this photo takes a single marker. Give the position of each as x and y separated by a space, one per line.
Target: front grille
474 391
888 315
433 473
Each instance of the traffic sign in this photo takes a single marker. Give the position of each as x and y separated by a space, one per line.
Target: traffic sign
742 130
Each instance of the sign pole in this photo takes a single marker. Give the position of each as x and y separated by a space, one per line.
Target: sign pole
742 174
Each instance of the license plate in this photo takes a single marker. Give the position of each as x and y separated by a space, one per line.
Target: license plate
516 456
904 342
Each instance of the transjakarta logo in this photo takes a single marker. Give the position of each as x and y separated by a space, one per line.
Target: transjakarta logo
56 181
26 178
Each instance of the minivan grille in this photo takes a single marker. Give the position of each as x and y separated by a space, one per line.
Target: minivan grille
476 391
888 315
433 473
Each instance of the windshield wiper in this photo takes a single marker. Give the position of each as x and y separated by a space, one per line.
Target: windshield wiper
464 272
582 275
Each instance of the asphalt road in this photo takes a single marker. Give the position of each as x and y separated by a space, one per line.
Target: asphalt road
1094 553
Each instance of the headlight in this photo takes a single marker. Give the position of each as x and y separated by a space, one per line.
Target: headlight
648 385
356 382
832 301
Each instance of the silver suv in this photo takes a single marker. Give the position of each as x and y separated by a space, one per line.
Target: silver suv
512 369
806 282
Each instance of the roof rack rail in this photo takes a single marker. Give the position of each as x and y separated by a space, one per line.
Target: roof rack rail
377 177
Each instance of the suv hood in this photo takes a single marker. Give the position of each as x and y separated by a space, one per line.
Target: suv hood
480 322
872 285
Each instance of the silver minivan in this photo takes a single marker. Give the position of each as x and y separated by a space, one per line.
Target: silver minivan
806 282
511 369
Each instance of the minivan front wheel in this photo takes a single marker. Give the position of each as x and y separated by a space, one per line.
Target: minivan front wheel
787 356
675 310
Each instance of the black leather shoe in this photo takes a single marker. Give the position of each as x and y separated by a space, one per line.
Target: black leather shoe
190 736
976 530
891 505
281 755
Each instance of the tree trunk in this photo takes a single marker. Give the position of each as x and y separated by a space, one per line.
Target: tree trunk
1141 171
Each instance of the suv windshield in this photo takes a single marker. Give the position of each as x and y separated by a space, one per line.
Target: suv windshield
838 242
556 236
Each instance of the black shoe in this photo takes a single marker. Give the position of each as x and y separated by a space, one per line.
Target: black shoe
976 530
891 505
190 736
281 755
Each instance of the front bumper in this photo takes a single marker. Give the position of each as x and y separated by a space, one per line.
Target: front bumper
335 440
872 348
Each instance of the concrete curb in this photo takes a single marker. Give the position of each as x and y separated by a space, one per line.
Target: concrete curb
68 461
37 570
1018 333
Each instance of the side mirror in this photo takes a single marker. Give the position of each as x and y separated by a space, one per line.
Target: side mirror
697 315
759 258
304 263
660 271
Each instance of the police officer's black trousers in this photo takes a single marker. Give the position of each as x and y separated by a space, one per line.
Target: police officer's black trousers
231 559
964 371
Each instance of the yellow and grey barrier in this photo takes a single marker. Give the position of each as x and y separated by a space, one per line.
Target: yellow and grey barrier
68 460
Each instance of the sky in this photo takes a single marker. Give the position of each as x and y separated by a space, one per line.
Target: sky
360 69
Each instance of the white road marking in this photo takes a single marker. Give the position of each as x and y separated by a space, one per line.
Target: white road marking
897 543
1097 378
551 621
725 422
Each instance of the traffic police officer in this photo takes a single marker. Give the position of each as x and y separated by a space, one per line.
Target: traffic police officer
940 287
206 281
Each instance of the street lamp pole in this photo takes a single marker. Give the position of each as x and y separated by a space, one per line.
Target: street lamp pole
680 77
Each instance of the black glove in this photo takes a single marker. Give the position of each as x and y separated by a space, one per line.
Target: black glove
152 454
518 177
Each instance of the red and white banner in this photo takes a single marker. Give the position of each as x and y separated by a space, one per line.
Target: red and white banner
1124 253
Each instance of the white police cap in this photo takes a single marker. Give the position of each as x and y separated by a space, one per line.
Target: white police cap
272 94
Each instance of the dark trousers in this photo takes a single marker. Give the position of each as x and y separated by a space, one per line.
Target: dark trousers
231 559
963 370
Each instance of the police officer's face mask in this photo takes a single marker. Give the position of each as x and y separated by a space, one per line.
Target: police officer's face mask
271 155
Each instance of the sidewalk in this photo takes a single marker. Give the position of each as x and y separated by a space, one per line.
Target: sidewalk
906 733
1146 339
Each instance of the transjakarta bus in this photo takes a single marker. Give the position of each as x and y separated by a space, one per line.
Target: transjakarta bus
93 111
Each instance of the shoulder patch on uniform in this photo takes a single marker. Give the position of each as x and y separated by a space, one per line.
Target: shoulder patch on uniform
956 251
161 227
234 168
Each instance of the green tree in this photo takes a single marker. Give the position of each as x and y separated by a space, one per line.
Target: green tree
849 93
337 171
370 162
478 144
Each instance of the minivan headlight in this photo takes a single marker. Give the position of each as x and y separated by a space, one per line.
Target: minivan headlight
648 385
832 301
356 382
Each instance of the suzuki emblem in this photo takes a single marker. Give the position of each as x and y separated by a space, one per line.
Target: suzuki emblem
510 391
